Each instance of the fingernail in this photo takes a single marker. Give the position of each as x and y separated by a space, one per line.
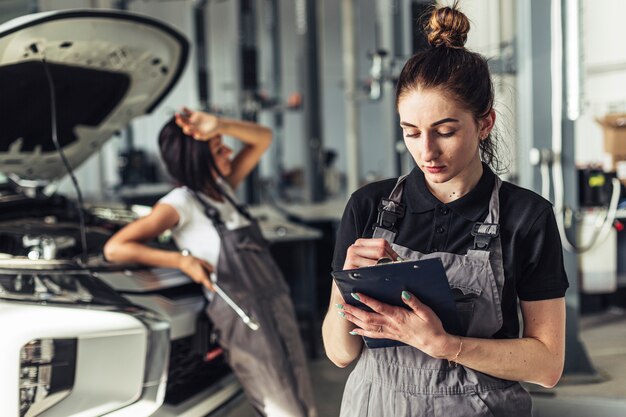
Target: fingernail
339 306
353 333
355 296
341 313
406 295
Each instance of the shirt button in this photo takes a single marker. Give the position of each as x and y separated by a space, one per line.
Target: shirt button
433 250
440 229
444 210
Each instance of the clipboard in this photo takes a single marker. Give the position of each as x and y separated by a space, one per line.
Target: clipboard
426 279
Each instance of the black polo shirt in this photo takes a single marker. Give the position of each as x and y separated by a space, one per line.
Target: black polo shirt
531 246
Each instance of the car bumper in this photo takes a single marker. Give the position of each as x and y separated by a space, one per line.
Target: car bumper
121 358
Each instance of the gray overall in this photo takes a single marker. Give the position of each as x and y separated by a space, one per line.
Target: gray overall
270 363
404 381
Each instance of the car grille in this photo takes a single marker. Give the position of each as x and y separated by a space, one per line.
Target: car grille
195 364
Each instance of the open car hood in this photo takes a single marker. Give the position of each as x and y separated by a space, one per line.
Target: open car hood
107 68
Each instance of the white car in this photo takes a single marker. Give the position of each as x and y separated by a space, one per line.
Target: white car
80 336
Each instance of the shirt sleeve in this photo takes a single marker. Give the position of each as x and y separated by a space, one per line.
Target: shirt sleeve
179 200
348 233
543 274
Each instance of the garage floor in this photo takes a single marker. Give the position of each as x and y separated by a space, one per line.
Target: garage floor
604 337
328 382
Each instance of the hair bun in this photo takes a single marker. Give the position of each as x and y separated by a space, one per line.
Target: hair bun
448 27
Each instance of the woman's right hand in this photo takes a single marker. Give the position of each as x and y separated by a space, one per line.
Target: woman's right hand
367 252
342 347
198 270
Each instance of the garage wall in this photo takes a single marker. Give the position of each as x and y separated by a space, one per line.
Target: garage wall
605 74
377 118
99 174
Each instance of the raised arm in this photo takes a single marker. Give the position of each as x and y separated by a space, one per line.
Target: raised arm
128 246
205 126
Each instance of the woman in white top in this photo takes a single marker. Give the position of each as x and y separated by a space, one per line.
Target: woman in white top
205 163
221 238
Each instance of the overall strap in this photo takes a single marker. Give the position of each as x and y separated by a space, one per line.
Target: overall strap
483 234
488 230
241 208
211 212
390 210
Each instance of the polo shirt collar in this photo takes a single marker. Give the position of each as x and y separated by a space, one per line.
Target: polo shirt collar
471 206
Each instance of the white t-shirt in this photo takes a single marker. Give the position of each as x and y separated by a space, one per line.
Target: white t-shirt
195 231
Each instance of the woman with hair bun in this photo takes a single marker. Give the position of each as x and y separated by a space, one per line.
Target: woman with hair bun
218 237
499 245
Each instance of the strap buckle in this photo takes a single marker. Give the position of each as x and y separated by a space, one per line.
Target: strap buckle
211 212
483 233
389 211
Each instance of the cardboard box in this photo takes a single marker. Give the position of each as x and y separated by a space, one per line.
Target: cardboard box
614 127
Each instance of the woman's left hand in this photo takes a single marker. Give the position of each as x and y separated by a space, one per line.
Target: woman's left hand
418 327
197 124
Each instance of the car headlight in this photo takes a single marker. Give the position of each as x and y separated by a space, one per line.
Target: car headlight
65 287
47 372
